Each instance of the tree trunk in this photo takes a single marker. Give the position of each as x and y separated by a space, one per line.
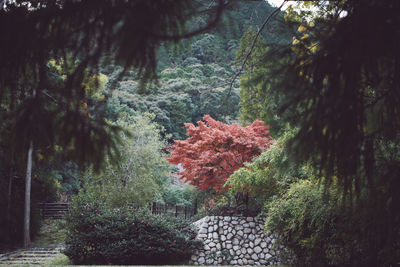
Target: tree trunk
28 181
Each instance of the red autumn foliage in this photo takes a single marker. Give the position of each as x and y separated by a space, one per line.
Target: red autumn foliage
215 150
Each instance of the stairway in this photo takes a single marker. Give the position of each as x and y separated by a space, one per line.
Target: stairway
54 210
31 256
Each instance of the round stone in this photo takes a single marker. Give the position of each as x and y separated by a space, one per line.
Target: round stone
201 260
254 257
239 227
257 250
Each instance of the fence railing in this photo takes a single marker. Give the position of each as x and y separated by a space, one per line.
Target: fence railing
173 210
54 210
57 210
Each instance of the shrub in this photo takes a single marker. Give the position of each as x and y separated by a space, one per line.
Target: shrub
98 235
311 222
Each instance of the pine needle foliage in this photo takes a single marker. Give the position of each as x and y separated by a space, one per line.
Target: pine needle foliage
50 108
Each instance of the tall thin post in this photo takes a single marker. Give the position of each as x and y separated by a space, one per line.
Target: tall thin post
28 182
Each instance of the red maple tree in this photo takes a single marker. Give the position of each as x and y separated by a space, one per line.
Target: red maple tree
215 150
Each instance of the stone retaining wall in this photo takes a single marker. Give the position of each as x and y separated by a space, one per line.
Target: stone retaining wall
235 241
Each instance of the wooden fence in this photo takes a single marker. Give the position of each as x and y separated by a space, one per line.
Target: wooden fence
177 211
57 210
54 210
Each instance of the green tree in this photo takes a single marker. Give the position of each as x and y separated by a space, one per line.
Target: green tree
268 175
141 172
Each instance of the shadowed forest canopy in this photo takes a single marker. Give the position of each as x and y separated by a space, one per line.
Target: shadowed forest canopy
76 35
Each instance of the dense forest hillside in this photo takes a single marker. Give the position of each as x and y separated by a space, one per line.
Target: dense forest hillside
195 78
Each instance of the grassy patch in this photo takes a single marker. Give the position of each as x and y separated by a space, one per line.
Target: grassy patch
58 260
51 232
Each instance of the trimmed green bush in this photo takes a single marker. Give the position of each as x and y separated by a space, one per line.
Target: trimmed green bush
98 235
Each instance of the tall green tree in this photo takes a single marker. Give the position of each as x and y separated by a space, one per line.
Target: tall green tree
138 177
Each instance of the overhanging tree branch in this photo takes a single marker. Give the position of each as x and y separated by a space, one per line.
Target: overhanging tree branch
274 13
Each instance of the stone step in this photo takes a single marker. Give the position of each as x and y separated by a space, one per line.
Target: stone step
28 259
23 263
44 251
33 256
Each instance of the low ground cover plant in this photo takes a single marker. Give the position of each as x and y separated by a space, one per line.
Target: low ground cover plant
103 235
